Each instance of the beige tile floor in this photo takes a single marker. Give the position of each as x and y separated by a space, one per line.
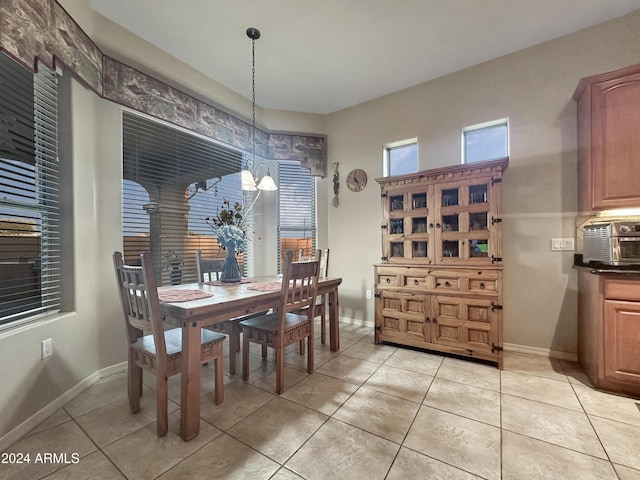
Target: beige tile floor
367 412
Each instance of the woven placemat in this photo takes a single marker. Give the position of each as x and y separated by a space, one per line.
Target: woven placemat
217 283
266 287
174 296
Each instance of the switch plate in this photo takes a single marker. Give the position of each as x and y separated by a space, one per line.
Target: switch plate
563 244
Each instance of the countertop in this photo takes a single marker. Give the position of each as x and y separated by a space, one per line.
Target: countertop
602 269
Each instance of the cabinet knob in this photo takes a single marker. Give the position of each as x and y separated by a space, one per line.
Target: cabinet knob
415 282
434 320
447 284
388 280
437 225
431 225
482 286
438 284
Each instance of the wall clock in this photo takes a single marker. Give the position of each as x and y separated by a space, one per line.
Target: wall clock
356 180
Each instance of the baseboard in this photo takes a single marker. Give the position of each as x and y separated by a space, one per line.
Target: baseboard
540 352
41 415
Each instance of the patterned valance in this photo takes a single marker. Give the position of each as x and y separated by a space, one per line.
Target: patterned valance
32 30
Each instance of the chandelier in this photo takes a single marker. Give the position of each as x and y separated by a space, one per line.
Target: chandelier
249 181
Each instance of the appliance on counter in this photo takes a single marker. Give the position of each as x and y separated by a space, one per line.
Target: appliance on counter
612 243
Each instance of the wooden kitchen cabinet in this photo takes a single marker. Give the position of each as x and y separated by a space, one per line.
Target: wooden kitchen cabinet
608 140
609 330
439 286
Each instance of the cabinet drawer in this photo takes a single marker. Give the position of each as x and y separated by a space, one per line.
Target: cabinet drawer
483 285
387 280
618 289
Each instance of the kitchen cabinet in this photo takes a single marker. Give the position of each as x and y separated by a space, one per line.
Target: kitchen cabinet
439 286
609 330
608 140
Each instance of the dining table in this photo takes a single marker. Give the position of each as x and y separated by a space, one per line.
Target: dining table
213 302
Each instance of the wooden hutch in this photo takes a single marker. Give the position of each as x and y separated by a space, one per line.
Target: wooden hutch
439 286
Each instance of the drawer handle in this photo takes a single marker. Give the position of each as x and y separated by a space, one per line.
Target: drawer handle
388 280
415 282
434 320
447 284
437 225
482 286
431 225
438 284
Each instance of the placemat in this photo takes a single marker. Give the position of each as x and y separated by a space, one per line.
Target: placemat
218 283
174 296
266 287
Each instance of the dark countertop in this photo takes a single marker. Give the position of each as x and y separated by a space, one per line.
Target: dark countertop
602 269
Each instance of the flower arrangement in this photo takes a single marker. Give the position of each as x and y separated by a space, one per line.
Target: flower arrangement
228 225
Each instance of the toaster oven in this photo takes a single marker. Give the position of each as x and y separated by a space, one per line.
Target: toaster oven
612 243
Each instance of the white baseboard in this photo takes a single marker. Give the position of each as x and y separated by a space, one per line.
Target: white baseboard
41 415
540 352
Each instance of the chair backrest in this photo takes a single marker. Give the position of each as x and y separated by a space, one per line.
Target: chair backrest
324 263
139 297
208 270
299 285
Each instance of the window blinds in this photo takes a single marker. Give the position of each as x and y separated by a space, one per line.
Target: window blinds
296 210
173 180
29 192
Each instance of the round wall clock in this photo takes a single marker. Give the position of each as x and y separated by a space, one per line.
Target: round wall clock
356 180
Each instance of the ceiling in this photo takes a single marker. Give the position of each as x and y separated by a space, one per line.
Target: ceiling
323 56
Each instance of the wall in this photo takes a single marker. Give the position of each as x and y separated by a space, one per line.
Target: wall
533 88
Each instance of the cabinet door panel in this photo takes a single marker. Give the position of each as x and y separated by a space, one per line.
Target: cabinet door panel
467 323
403 315
622 341
615 143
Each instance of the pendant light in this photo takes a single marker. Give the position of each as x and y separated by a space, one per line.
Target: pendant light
248 180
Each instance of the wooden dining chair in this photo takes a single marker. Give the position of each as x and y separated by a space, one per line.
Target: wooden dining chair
208 270
291 322
159 352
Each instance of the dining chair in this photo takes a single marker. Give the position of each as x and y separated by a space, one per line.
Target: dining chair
289 323
209 270
160 352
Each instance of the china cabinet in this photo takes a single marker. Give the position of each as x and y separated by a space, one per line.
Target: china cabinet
439 283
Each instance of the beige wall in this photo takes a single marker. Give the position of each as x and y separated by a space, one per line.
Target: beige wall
533 88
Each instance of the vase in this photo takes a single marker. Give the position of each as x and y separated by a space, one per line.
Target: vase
230 269
175 275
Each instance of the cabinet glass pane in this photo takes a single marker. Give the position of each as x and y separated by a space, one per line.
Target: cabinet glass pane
450 197
397 225
419 200
478 193
397 202
419 249
450 223
397 249
419 225
479 248
450 249
478 221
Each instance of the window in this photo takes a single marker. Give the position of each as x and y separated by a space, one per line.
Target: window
173 180
487 141
400 157
29 204
296 210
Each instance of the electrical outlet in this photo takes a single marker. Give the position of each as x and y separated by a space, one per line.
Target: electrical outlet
368 294
47 348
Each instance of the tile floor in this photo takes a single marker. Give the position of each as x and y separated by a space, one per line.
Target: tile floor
367 412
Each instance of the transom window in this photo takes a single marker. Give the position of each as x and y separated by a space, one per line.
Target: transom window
400 157
485 141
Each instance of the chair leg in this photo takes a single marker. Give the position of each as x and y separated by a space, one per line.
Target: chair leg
234 346
219 388
162 405
310 353
279 370
245 356
301 342
264 351
323 326
134 385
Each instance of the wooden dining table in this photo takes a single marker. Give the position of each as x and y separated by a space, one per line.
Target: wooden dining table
226 302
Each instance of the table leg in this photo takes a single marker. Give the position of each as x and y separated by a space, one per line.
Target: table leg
190 393
234 345
334 321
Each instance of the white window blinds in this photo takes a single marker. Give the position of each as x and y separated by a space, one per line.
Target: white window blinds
296 210
29 193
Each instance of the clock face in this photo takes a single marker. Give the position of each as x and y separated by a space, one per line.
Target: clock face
356 180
